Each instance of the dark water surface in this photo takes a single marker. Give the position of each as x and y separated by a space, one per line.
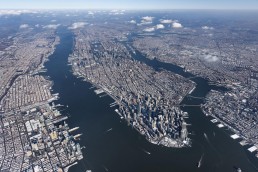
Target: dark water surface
122 149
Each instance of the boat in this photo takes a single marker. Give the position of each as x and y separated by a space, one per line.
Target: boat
109 129
239 170
146 152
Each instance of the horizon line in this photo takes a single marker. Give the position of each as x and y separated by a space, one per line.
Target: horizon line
132 9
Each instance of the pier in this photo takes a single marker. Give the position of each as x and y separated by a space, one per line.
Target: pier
73 129
113 104
99 91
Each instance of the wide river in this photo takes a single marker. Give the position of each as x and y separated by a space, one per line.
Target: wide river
122 149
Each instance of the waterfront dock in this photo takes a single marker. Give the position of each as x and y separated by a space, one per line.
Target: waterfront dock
99 91
235 136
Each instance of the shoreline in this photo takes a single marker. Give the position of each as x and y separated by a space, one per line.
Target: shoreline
236 134
174 143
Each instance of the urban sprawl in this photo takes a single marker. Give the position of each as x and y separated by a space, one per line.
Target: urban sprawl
33 133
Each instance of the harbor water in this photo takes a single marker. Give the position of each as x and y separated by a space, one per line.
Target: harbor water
111 145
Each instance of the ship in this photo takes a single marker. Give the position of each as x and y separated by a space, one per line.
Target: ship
109 129
146 151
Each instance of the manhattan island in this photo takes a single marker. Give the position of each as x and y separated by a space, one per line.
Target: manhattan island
148 99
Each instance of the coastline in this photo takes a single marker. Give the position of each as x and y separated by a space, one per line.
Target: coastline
236 136
164 140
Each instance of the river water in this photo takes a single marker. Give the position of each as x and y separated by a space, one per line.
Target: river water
122 149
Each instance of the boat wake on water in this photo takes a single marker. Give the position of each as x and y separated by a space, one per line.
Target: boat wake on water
147 152
109 130
206 137
106 169
200 161
212 146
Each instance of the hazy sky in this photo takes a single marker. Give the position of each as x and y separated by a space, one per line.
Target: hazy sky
129 4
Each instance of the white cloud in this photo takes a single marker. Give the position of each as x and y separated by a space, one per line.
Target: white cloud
144 23
165 21
207 28
160 26
117 12
148 18
211 58
114 11
51 26
37 25
177 25
149 29
77 25
152 29
15 12
132 22
23 26
91 13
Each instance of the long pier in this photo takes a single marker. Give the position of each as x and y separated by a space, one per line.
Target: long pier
113 104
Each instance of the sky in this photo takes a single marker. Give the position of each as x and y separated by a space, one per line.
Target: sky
129 4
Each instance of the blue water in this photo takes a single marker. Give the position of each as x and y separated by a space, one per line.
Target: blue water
124 150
